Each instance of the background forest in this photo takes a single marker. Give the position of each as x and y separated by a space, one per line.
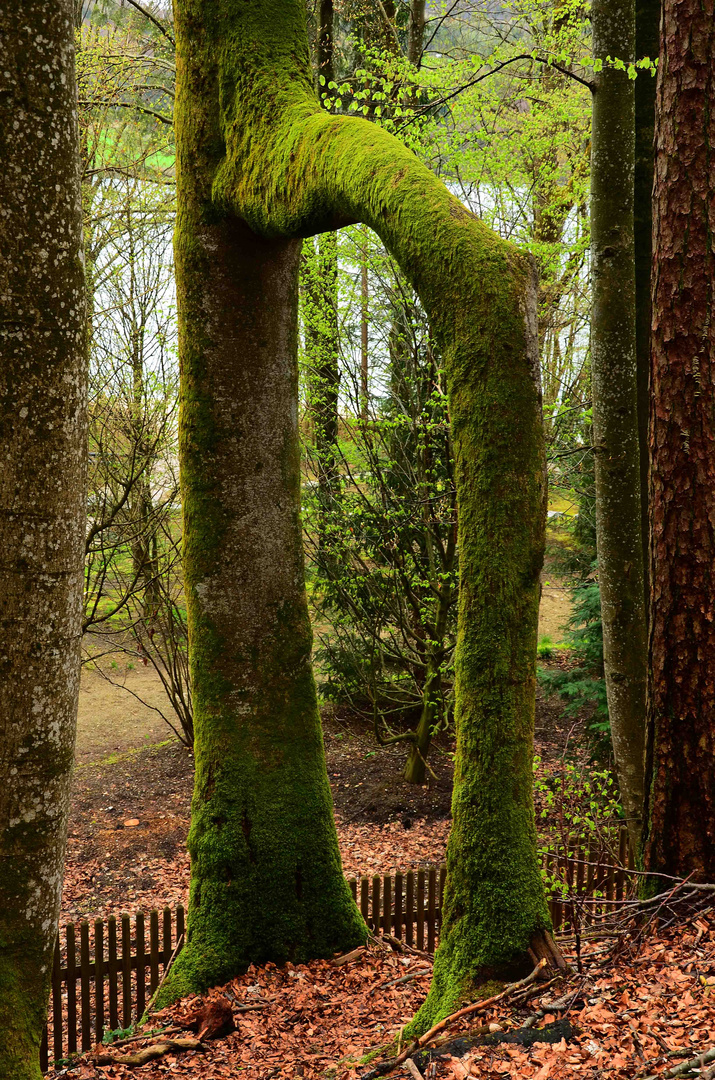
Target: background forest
395 631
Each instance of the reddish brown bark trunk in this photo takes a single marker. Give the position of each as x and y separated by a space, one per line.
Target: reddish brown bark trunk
680 792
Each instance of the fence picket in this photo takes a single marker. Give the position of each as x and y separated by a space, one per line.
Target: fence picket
141 963
71 990
153 950
126 971
98 980
166 937
387 905
365 899
431 905
56 1003
409 907
180 931
44 1055
112 972
398 906
375 926
420 909
84 984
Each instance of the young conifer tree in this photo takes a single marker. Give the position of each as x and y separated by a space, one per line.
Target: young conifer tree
43 446
259 166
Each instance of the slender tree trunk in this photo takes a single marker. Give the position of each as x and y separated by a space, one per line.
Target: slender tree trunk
266 153
615 416
364 326
680 780
416 32
43 395
325 45
325 369
647 44
320 311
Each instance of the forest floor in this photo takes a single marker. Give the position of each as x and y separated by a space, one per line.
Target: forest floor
640 1005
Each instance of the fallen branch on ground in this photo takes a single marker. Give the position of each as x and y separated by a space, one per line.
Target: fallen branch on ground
687 1066
418 1044
403 979
150 1053
338 961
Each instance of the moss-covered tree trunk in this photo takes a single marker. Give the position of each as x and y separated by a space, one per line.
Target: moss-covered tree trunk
260 164
680 779
615 410
42 510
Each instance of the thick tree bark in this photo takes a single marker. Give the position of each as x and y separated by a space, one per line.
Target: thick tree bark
647 44
680 780
615 416
42 512
264 153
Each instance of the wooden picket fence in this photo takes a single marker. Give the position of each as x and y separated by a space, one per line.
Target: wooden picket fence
105 984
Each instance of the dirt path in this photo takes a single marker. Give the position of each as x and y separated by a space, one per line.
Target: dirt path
110 719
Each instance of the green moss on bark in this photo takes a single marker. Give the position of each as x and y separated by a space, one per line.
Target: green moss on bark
287 169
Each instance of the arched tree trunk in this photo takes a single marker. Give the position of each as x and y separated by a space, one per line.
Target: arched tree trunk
263 153
680 780
43 403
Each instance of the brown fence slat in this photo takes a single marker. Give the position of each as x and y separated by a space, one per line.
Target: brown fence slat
387 905
180 929
442 883
141 963
56 1003
375 926
431 907
98 980
126 971
166 937
623 862
353 888
398 906
112 972
71 981
44 1055
153 950
84 984
420 909
365 899
409 907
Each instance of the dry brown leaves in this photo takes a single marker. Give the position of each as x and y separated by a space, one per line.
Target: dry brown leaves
633 1012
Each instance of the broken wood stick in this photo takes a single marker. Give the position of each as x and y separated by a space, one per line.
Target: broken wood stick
477 1006
402 979
338 961
412 1069
150 1053
687 1066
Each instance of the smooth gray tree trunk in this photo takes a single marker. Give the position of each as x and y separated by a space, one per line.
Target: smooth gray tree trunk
42 501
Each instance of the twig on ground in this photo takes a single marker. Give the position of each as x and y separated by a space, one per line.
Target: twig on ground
412 1069
403 979
687 1066
339 961
387 1066
150 1053
400 946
